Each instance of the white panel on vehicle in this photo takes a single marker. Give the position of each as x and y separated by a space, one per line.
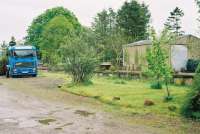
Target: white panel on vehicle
179 55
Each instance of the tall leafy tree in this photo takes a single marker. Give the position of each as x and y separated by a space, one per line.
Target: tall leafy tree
198 5
109 39
100 25
4 45
53 36
134 18
173 22
36 28
157 59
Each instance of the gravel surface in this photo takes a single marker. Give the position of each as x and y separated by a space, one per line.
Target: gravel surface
53 112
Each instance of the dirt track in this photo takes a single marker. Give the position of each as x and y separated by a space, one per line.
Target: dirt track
35 106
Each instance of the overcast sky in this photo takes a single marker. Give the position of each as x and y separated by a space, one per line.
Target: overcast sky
17 15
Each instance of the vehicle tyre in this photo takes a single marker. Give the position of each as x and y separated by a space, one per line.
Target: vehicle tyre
34 75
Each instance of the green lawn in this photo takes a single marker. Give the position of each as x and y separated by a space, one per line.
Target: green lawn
132 95
131 107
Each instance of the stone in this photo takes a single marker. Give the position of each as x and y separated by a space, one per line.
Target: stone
149 103
116 98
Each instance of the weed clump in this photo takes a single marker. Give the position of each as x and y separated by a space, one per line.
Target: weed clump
156 85
120 82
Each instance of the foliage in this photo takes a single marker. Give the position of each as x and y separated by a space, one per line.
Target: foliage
113 68
3 60
198 4
103 25
114 29
3 45
157 59
79 58
116 42
156 85
133 19
191 107
168 98
174 21
120 82
53 37
39 23
109 38
192 65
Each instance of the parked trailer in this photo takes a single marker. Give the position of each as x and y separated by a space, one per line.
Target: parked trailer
21 61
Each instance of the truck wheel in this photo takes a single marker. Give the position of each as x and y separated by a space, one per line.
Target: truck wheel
34 75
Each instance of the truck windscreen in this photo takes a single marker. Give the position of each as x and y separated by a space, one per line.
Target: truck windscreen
24 65
24 53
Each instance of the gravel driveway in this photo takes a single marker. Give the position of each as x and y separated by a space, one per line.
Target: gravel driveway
53 112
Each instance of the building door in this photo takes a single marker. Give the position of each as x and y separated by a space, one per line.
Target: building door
179 57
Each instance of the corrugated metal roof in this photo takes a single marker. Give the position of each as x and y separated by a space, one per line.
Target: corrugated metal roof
188 36
140 43
149 42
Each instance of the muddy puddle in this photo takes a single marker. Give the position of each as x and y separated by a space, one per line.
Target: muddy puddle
83 113
61 127
46 121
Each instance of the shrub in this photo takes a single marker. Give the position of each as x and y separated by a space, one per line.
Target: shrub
113 68
116 98
191 107
120 82
192 65
172 108
58 67
3 61
79 58
168 98
156 85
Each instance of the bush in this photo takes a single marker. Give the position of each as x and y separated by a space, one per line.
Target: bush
113 68
156 85
168 98
172 108
3 61
120 82
191 107
58 67
79 59
192 65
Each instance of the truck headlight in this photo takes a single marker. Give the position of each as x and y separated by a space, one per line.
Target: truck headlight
34 69
15 70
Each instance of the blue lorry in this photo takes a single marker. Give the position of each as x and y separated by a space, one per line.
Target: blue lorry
21 61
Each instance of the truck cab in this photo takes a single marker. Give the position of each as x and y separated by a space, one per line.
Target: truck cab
21 61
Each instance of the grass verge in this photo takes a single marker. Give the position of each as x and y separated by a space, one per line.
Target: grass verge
130 95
